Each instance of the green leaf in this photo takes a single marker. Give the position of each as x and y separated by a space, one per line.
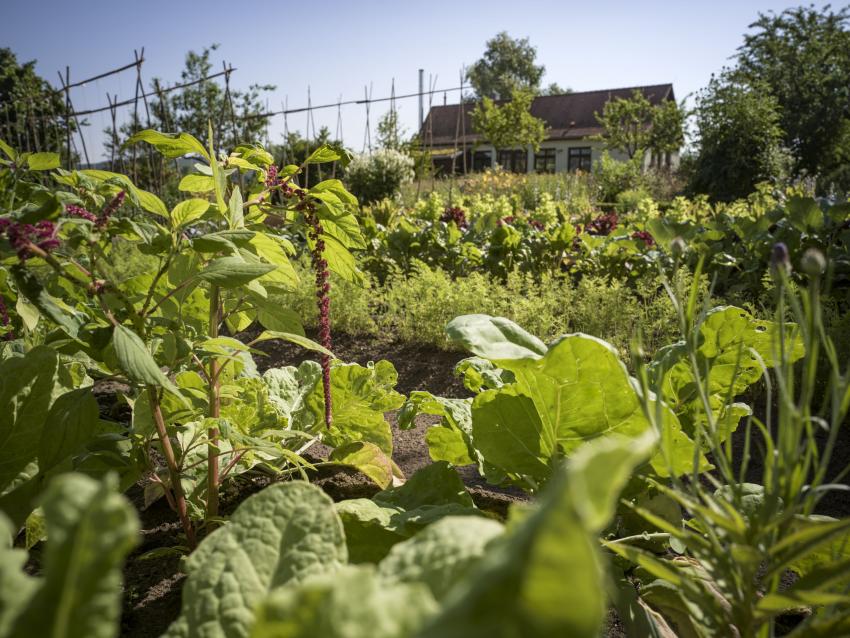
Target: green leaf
235 217
26 387
340 261
43 161
72 421
525 585
299 340
441 555
360 396
194 183
135 359
329 153
352 602
188 211
366 458
91 529
151 203
494 337
284 534
232 272
171 145
29 286
804 213
270 249
8 150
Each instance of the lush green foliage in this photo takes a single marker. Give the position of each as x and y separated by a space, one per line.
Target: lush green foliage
634 126
507 65
509 124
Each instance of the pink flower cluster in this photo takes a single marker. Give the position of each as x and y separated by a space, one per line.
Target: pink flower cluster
323 288
23 237
4 319
98 220
273 180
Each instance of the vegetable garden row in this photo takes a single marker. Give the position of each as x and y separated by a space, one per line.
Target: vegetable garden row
639 471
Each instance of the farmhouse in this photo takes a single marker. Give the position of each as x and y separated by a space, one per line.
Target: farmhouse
569 145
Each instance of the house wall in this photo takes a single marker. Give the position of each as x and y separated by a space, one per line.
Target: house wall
562 153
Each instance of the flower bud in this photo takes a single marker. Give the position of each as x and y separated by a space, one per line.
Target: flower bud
813 263
779 260
678 247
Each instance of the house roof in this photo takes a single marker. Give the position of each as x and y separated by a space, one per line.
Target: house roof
569 116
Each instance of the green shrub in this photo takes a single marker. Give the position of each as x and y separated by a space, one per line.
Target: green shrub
378 175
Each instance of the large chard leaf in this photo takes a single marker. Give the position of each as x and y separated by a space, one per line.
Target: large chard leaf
284 534
91 529
494 337
451 441
350 603
26 388
729 340
373 526
442 554
526 583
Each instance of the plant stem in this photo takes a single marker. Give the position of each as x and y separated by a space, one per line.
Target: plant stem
214 411
171 463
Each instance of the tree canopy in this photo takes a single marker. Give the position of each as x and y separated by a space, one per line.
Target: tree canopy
510 124
507 64
802 57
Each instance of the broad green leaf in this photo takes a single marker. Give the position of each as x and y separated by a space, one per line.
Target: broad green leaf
494 337
288 389
271 250
43 161
171 145
373 526
804 213
194 183
91 529
29 286
282 535
360 396
135 359
231 272
8 150
72 421
340 261
26 387
188 211
366 458
151 203
275 318
441 555
451 439
329 153
525 585
350 603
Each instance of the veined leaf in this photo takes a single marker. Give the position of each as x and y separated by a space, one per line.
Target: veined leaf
43 161
188 211
135 359
194 183
231 272
284 534
494 337
171 145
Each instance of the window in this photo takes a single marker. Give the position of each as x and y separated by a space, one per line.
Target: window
515 161
544 160
579 159
481 160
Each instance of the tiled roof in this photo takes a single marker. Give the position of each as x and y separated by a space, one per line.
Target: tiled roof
567 116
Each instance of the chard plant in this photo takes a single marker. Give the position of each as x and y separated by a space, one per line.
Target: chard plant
753 556
200 410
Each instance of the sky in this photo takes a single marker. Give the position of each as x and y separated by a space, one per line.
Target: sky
339 48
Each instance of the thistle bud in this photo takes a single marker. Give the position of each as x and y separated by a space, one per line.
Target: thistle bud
813 263
779 260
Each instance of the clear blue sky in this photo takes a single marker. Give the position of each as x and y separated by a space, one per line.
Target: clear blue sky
338 47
